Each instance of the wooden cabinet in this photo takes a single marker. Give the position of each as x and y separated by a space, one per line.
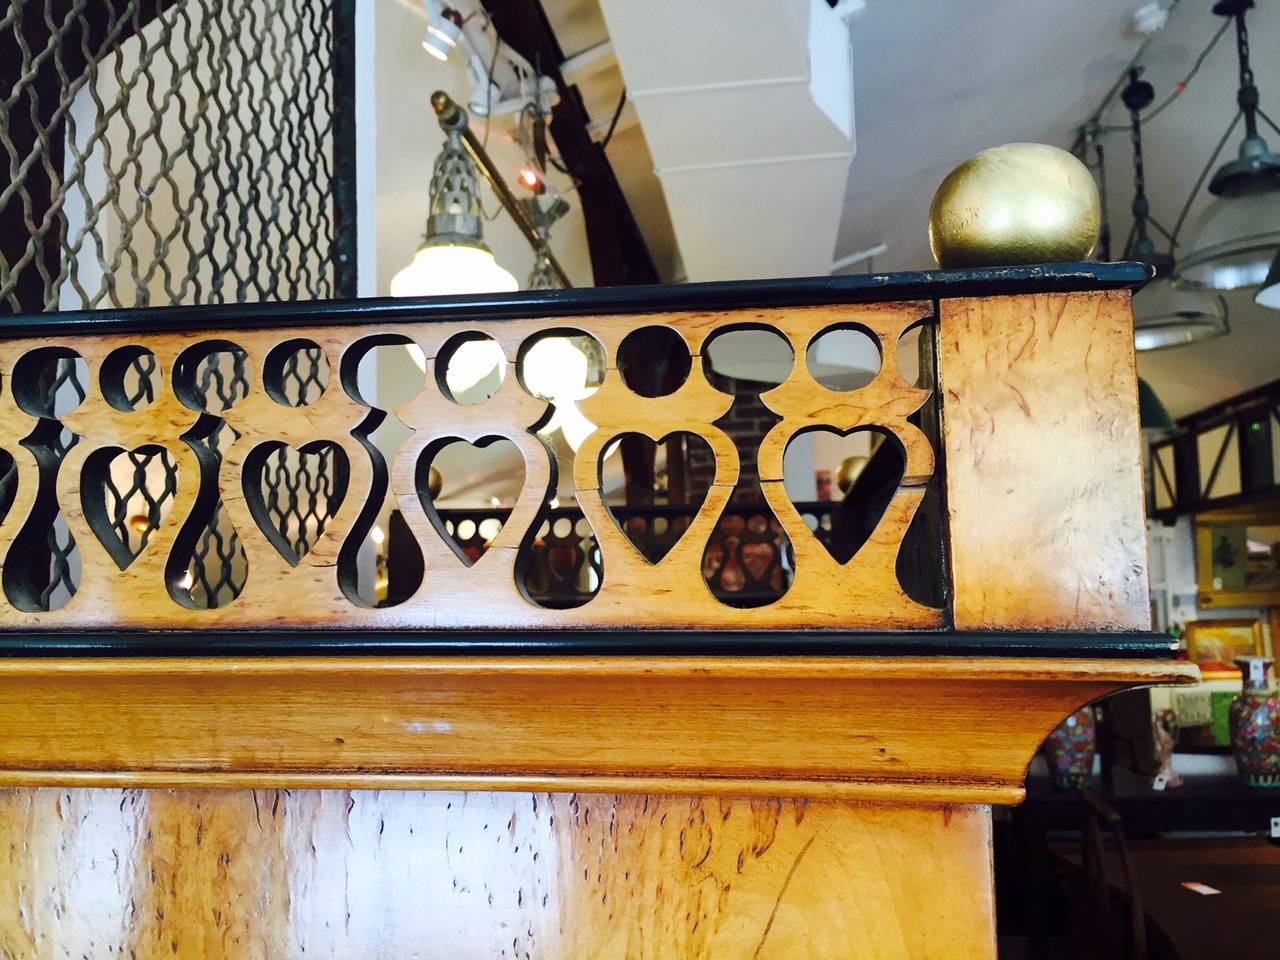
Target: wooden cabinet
653 773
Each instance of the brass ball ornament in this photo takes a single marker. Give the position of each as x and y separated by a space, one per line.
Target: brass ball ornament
1020 203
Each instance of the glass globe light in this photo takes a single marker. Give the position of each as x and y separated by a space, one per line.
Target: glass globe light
1232 244
442 269
1234 241
453 258
1167 313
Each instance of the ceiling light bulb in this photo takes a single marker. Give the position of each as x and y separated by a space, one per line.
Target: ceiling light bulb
451 270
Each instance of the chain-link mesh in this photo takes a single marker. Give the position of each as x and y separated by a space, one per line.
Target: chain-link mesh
165 152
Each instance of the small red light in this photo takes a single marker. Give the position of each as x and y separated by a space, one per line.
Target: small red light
529 177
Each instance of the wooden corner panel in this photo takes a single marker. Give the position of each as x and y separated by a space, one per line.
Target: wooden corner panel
1043 462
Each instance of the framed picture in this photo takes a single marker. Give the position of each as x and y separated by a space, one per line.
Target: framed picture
1214 645
1237 558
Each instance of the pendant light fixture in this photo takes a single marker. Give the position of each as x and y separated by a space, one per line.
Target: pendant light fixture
1236 238
1166 312
453 258
543 276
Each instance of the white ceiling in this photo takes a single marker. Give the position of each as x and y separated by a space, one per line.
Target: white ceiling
936 81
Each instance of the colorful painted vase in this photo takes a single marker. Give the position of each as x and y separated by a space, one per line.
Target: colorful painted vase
1255 725
1070 750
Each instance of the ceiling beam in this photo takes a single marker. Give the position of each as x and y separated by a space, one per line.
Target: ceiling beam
618 251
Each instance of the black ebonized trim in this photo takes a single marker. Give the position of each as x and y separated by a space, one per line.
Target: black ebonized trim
810 291
50 643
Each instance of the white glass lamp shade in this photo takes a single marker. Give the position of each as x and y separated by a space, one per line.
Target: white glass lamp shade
452 269
1234 241
1269 295
1167 313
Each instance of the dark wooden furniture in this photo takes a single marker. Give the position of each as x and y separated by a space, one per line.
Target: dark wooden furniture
1201 804
1241 921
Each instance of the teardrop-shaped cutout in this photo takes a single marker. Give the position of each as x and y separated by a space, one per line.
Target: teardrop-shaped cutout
207 567
293 494
842 483
47 383
125 495
652 489
560 567
748 561
468 489
8 483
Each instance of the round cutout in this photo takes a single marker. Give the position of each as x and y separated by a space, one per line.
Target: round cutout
296 373
843 358
471 368
654 361
130 378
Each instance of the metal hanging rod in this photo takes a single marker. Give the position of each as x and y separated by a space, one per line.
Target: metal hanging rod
453 117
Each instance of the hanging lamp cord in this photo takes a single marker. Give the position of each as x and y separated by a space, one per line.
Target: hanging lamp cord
1247 96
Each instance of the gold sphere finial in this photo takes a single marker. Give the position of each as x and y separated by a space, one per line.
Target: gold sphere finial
1016 204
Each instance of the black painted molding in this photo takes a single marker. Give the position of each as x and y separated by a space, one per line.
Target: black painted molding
189 643
657 298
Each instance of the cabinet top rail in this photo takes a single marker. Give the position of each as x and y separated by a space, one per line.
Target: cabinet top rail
657 298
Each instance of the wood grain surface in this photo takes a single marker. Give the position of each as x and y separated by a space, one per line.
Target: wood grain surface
307 875
1044 470
918 729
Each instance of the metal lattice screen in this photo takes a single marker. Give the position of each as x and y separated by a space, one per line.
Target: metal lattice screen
162 152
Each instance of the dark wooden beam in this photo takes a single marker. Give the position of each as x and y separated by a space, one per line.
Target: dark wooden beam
618 251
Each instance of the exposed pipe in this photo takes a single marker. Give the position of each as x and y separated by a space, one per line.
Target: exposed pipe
453 117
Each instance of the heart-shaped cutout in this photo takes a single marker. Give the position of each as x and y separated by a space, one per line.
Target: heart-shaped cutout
855 476
653 489
458 483
293 494
125 495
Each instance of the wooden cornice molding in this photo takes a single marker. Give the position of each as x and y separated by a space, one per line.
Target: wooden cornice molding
928 730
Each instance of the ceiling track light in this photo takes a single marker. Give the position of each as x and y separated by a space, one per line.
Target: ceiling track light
442 36
1166 312
1233 243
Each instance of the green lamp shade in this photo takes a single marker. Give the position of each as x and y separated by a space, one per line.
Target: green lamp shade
1151 412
